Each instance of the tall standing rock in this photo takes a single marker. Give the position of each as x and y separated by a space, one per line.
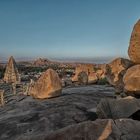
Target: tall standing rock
47 86
11 74
134 46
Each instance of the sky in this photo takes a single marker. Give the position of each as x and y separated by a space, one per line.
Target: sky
67 29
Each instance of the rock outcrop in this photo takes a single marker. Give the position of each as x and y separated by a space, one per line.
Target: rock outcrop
121 129
11 74
41 62
132 81
26 118
97 130
48 85
92 78
115 72
88 69
134 47
120 108
83 78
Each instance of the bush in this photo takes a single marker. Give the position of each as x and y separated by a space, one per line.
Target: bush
103 81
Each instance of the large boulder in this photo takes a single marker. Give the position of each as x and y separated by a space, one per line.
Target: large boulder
121 129
132 80
134 47
11 74
115 72
97 130
47 86
121 108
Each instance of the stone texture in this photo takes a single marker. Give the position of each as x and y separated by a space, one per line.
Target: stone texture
97 130
87 68
120 108
83 78
47 86
132 80
121 129
134 46
11 74
26 118
115 72
100 74
92 78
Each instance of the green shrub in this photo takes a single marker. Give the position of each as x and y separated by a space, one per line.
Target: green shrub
103 81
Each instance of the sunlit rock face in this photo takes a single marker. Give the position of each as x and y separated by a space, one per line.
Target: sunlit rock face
132 80
115 72
134 46
92 78
47 86
88 69
11 74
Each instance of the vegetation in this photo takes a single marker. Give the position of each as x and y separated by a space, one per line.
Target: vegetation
103 81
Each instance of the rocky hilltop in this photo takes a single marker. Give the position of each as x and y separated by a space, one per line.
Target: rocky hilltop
83 110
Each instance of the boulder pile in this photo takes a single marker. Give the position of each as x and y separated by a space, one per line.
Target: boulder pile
124 74
81 71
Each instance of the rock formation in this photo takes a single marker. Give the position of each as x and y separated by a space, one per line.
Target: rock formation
92 78
121 129
47 86
41 62
83 78
132 81
11 74
134 47
89 70
120 108
115 72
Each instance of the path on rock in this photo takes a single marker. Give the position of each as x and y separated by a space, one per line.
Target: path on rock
27 116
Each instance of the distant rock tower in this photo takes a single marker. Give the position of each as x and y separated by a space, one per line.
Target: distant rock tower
11 74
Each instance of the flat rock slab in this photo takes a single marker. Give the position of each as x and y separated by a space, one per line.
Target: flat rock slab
26 116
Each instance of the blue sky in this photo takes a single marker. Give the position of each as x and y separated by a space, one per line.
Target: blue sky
66 29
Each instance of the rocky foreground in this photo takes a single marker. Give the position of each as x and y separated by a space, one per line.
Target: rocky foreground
26 118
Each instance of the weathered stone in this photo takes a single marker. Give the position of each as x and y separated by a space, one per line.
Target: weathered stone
115 72
120 129
100 74
87 68
26 118
97 130
132 81
48 85
83 78
11 74
134 46
120 108
92 78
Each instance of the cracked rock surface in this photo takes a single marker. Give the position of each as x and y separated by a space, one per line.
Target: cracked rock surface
26 118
